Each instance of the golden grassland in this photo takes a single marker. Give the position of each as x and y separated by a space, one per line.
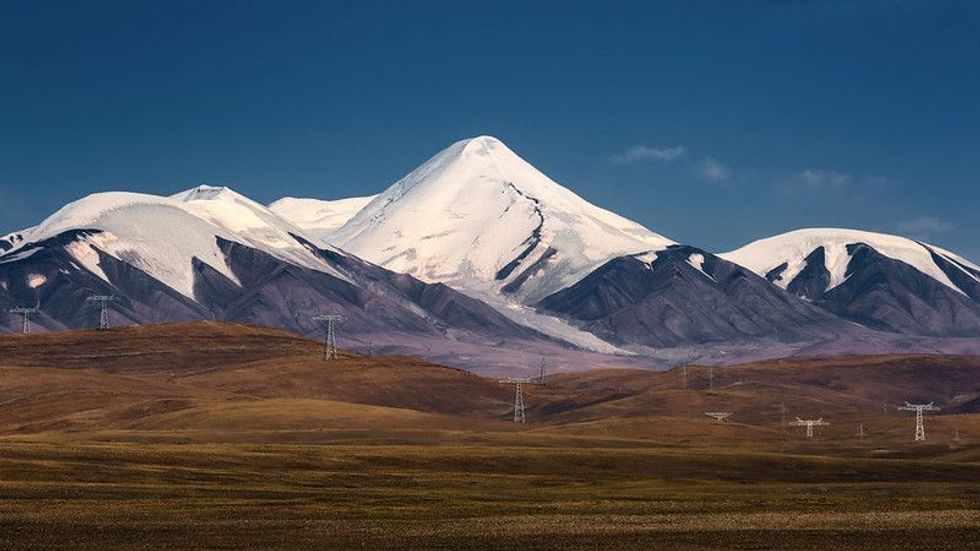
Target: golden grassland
450 494
208 436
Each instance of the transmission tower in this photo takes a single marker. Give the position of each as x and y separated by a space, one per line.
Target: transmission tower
711 377
684 377
330 334
103 301
26 314
861 432
809 424
719 416
518 382
543 372
919 409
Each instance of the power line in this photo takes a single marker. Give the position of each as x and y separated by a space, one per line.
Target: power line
919 409
809 424
26 314
103 301
719 416
330 334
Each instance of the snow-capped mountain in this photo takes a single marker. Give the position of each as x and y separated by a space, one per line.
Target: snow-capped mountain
318 217
478 217
881 281
682 296
477 251
163 235
210 253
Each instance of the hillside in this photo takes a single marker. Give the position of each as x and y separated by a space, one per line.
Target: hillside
219 435
213 380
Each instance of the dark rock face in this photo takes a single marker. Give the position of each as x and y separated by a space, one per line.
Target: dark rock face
269 292
450 307
814 279
139 298
959 274
889 295
670 302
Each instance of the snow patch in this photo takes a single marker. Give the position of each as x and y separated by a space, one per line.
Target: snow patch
36 280
87 258
696 260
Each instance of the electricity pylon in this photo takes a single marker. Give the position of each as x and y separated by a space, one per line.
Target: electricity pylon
330 334
103 301
809 424
519 415
719 416
541 376
861 431
919 409
26 314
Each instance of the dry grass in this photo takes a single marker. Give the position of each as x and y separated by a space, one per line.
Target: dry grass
215 436
456 495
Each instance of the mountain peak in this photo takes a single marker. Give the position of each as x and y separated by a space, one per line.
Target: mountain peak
481 145
479 216
207 192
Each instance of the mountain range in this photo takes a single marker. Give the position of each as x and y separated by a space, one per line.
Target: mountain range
477 254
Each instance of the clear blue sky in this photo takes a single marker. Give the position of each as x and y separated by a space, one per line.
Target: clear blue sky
714 123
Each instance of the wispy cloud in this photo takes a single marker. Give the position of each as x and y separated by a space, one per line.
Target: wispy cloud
815 180
712 170
924 227
639 153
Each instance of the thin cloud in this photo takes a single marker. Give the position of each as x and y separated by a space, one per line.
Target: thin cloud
712 170
925 226
639 153
813 179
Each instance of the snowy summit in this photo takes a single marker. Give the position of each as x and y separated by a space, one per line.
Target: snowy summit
479 217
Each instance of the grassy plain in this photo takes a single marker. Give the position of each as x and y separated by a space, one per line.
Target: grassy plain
221 437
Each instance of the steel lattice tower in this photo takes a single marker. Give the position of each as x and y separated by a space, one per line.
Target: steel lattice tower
330 334
809 424
26 314
103 301
519 414
919 409
719 416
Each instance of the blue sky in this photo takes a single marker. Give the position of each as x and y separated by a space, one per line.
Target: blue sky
714 123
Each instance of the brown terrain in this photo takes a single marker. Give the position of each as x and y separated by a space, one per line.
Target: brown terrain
212 435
